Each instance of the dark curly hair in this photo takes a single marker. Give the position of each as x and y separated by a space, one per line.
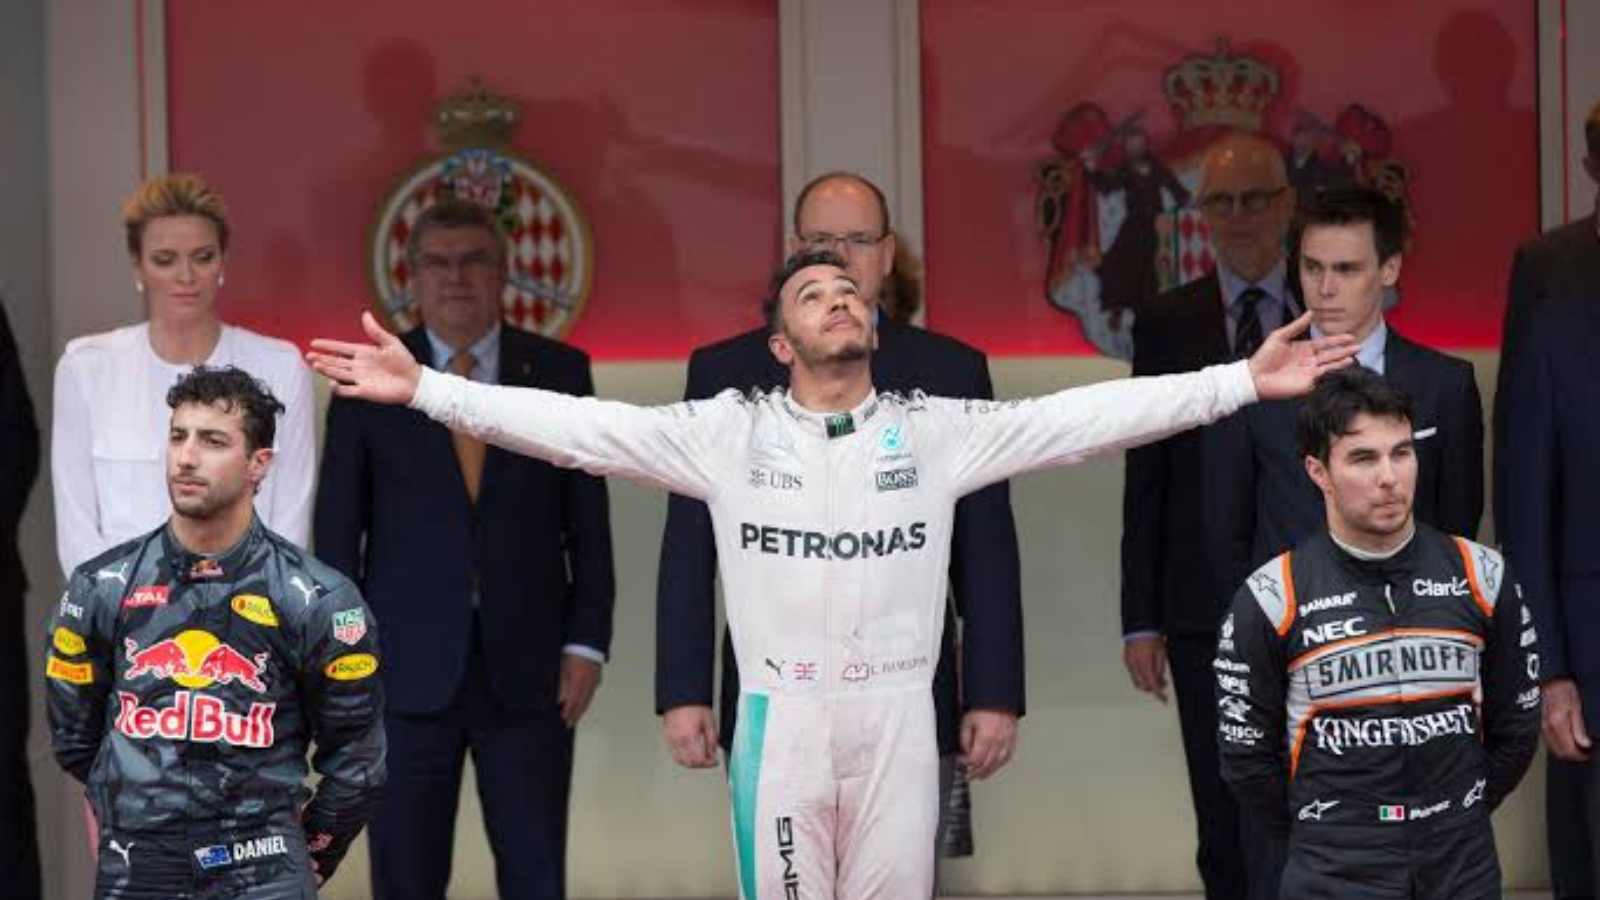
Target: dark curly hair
1335 401
231 387
772 303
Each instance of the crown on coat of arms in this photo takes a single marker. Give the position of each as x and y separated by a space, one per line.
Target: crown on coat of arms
476 118
1221 89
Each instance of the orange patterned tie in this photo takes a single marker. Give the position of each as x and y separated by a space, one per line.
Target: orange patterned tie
469 450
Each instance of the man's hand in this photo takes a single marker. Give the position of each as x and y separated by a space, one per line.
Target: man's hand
1564 732
988 740
691 735
1146 661
383 371
579 678
1284 367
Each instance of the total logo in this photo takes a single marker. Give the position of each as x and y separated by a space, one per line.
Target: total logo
195 659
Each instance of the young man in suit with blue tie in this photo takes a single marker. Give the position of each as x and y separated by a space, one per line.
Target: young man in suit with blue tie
491 573
1350 242
846 213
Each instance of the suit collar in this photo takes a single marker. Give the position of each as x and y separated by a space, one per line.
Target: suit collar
1373 351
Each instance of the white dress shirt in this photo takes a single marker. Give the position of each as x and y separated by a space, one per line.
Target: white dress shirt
109 438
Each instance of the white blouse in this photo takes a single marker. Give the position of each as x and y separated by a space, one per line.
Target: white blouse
109 437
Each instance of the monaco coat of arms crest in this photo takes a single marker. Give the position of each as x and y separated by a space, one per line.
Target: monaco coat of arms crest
1115 202
549 247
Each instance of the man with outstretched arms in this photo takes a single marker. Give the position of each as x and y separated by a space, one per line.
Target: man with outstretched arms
832 506
190 670
1377 686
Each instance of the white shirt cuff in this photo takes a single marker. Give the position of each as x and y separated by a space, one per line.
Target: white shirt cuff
1137 635
589 653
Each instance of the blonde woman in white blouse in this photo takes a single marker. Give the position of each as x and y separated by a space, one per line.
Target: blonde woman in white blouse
108 448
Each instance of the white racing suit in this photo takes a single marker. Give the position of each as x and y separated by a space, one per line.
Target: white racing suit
833 537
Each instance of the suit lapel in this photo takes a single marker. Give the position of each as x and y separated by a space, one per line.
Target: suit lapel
517 369
1209 319
436 445
1398 357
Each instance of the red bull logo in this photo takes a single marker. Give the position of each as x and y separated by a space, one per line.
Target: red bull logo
195 717
195 659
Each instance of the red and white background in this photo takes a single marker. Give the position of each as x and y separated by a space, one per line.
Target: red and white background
660 119
680 128
1453 83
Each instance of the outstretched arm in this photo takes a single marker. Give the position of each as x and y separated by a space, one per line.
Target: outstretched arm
1005 439
668 446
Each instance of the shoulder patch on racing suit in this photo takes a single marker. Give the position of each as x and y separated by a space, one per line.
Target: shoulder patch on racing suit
1273 589
1486 570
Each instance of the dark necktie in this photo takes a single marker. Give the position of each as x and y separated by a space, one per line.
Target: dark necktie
1247 330
470 451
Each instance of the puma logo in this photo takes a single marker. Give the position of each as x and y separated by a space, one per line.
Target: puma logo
122 851
309 591
120 573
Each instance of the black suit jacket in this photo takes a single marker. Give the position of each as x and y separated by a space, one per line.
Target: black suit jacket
984 566
392 513
1561 265
1264 503
1552 489
1162 560
19 461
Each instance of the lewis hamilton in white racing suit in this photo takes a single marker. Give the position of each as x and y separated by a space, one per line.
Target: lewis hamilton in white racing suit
832 507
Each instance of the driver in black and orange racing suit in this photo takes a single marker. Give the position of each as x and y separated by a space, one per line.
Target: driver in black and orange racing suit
1377 710
185 691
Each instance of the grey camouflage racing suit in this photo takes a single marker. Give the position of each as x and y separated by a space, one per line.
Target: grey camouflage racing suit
185 691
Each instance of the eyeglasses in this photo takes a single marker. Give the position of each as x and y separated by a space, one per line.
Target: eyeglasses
854 242
478 262
1226 204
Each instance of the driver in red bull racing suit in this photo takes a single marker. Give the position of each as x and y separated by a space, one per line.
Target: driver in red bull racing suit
1377 686
189 671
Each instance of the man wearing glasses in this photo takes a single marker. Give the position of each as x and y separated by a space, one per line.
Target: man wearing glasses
977 724
1166 622
491 573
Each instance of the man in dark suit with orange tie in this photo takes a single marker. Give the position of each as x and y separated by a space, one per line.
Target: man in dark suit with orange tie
492 576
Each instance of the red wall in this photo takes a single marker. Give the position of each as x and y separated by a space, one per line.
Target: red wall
1455 82
660 117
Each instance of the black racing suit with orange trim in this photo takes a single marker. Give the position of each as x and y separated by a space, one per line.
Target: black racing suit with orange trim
1376 710
184 691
